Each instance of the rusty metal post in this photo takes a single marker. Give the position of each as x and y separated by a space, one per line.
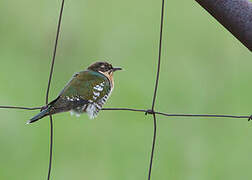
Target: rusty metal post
234 15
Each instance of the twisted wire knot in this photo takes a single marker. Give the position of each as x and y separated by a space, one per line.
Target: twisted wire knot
149 111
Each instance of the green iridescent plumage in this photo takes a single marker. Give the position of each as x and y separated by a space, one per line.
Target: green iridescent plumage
81 90
87 91
82 84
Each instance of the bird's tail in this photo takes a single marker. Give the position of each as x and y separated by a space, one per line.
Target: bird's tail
45 112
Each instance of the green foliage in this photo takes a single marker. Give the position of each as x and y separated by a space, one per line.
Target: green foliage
204 70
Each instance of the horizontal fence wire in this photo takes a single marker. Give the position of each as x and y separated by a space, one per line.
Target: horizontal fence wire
20 107
177 115
146 111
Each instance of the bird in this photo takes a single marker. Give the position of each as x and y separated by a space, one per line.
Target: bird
87 91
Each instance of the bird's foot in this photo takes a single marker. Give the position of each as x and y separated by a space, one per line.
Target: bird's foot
250 118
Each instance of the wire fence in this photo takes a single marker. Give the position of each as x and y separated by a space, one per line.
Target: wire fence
49 85
151 111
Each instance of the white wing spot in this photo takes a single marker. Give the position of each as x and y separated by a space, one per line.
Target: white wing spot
96 93
98 88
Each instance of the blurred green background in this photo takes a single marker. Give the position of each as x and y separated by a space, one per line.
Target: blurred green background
204 70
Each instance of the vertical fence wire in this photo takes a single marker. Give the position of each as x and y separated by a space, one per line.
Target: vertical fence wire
49 85
150 111
155 90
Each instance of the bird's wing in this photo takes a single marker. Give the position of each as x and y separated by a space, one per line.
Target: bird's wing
88 85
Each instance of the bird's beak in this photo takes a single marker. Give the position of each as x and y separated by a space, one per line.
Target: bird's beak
116 69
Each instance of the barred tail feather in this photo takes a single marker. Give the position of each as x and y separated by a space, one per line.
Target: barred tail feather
40 115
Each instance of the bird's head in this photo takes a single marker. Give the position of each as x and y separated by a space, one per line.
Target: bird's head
104 68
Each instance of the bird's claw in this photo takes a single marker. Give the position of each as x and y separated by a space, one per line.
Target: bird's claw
250 118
